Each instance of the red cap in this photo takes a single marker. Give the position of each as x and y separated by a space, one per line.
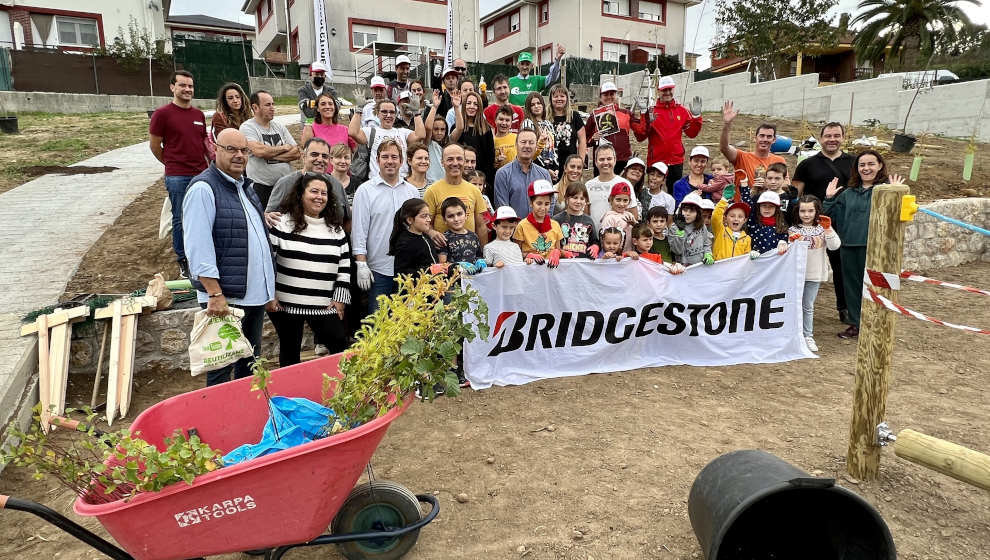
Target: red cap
741 205
620 188
541 187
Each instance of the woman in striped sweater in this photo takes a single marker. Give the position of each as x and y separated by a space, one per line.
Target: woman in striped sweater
312 269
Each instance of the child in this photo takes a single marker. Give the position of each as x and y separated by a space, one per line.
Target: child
815 230
766 224
659 219
655 193
477 178
707 207
720 167
612 240
463 246
580 233
778 181
503 250
634 172
728 221
600 187
693 244
413 251
643 245
619 216
505 140
538 235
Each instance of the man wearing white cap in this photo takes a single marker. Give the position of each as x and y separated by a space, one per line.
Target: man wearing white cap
378 92
310 91
609 95
663 126
401 81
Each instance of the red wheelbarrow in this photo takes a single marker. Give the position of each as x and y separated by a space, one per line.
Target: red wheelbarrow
268 505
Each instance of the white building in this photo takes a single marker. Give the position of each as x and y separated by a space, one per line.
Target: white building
78 26
615 30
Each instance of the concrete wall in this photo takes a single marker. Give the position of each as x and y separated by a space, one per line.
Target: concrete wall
16 101
931 244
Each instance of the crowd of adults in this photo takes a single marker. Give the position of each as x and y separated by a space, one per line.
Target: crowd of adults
311 245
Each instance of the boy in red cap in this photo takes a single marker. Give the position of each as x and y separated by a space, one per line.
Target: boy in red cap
728 223
538 235
619 217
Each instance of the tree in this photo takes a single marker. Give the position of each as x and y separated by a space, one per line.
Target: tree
906 27
771 31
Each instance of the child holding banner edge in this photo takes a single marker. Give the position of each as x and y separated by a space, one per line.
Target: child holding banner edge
539 235
693 244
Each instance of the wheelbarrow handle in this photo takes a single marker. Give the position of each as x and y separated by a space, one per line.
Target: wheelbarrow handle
64 523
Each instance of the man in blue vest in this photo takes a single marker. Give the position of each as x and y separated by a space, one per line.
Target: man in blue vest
230 259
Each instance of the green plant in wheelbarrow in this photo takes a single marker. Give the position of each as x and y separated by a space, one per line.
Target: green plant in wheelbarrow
107 466
412 341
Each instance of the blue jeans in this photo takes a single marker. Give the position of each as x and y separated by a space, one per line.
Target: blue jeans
808 306
176 186
380 285
251 325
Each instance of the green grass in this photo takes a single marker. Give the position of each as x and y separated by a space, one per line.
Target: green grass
64 144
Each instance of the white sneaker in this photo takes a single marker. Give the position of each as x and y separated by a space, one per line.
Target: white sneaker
321 350
811 344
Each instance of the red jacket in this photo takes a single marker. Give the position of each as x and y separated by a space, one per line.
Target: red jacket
663 128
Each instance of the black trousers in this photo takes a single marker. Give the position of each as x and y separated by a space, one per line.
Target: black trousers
264 193
837 281
327 329
674 174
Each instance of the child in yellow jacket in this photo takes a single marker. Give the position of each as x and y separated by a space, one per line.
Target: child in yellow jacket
728 227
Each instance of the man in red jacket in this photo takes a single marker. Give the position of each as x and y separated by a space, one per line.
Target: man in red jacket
663 126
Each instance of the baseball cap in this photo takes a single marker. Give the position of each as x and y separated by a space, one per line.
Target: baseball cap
402 59
505 213
769 196
741 205
635 161
449 70
525 57
700 151
317 67
404 94
621 187
660 166
692 198
541 187
377 81
707 204
608 86
665 82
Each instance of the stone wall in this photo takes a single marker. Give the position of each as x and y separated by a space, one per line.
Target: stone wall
931 244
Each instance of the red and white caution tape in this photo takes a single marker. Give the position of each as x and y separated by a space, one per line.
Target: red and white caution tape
869 294
893 281
908 275
879 279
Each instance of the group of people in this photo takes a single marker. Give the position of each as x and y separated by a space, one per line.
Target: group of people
418 183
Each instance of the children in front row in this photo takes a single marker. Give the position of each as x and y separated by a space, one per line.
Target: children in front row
612 241
655 193
539 235
816 230
463 246
767 225
659 219
693 244
580 231
643 246
503 250
619 215
728 223
412 249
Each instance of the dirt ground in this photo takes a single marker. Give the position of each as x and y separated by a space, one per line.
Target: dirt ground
626 447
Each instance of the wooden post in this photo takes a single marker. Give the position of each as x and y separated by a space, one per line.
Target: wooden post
884 247
971 467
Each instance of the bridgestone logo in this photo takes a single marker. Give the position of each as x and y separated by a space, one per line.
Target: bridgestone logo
587 328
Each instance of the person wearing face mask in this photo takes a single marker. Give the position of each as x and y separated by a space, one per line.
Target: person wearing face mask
663 126
311 91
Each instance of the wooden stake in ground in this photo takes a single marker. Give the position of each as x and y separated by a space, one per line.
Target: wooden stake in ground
123 334
53 357
99 367
884 248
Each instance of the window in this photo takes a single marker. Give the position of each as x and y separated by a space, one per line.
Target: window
77 31
650 10
489 33
615 7
546 56
514 22
363 35
544 12
432 41
615 52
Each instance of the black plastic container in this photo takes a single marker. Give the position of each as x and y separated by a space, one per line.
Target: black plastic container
903 143
750 504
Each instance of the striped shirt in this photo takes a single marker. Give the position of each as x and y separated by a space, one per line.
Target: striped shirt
312 267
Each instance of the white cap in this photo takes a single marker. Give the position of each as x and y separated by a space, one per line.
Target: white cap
692 198
541 187
660 166
608 86
707 204
317 67
377 81
635 161
449 70
665 83
505 213
404 94
402 59
700 151
769 196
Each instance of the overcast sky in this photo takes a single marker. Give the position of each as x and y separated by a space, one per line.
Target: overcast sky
700 19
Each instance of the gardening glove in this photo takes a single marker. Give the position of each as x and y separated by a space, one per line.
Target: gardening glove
467 267
708 259
593 251
553 260
729 191
825 222
753 255
794 237
678 232
439 268
568 254
480 265
695 106
535 257
363 275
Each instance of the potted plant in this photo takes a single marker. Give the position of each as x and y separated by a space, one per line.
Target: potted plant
8 122
904 142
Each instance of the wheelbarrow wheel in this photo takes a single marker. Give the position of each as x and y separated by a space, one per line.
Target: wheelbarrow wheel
377 506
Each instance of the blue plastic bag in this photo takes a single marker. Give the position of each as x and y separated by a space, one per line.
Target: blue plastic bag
298 421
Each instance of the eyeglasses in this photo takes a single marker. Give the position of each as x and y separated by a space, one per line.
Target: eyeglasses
235 149
320 155
386 112
461 69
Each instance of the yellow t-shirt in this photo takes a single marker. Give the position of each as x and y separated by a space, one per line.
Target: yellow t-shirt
506 146
442 190
532 241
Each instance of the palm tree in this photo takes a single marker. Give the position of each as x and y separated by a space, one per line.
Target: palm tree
905 27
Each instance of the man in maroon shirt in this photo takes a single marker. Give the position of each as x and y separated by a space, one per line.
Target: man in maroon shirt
178 139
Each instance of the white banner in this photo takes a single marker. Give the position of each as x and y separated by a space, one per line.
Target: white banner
321 45
448 47
596 317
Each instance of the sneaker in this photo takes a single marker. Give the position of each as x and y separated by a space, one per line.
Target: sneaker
462 381
321 350
439 389
183 269
811 344
851 332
